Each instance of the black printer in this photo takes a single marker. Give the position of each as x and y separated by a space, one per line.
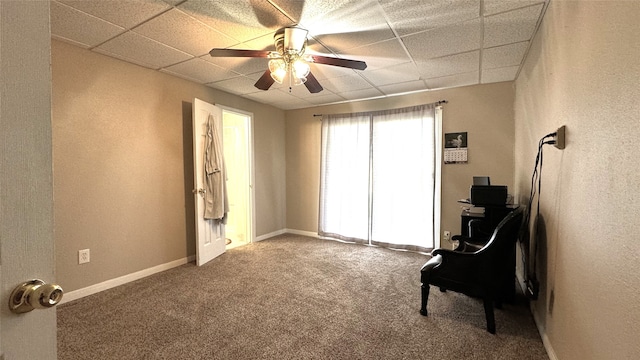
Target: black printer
488 195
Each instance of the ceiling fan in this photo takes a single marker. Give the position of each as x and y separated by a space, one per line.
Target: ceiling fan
289 60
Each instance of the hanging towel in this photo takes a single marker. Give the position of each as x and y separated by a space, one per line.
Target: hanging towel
215 197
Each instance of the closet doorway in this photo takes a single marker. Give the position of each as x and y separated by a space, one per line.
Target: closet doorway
238 154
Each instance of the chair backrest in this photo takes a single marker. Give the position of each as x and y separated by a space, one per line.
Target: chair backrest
505 234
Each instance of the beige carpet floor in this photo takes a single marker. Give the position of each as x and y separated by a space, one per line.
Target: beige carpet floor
291 297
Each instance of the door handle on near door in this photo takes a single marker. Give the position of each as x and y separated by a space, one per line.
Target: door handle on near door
34 294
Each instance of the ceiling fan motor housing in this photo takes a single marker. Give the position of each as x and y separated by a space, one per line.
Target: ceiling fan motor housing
290 40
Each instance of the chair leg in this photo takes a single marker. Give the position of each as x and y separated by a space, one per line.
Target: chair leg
425 299
488 313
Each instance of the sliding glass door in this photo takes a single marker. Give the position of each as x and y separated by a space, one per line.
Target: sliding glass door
378 177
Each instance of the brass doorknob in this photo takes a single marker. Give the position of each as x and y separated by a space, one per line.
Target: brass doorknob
34 294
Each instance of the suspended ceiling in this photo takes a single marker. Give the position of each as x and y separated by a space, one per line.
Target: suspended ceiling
408 45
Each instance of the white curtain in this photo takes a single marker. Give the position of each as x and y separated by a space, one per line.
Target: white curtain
377 177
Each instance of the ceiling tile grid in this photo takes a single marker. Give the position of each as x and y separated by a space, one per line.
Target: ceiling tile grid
180 31
408 45
405 87
448 40
408 17
142 50
200 71
122 13
81 29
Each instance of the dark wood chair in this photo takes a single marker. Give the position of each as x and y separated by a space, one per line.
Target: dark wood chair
487 273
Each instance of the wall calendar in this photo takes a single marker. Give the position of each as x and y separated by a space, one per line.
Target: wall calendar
455 148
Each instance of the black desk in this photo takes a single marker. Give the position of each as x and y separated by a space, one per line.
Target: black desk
481 225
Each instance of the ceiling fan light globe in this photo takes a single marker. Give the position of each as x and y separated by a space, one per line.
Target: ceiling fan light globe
300 69
279 76
275 64
299 80
278 69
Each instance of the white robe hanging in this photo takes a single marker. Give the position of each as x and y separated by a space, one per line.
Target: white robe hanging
215 197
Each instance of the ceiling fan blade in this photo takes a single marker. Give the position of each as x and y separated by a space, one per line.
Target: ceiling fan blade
312 84
265 81
239 53
351 64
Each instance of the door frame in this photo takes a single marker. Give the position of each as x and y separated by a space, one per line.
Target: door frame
251 168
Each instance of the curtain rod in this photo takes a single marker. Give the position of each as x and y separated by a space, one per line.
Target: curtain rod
436 103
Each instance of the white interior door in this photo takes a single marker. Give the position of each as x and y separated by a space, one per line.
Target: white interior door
210 234
26 210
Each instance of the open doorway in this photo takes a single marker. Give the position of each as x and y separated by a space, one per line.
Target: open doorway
238 154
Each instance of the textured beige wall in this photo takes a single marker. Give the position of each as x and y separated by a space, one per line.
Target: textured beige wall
582 72
123 169
484 111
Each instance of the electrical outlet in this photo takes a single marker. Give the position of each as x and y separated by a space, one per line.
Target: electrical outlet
83 256
446 235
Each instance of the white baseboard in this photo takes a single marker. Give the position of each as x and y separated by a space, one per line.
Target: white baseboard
543 334
302 232
94 289
270 235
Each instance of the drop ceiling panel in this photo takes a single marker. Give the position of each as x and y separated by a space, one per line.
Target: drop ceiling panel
239 85
393 74
242 66
501 56
241 20
448 40
361 94
366 25
309 12
269 97
380 55
420 15
265 42
78 27
322 72
143 50
322 98
453 81
200 71
498 6
499 74
342 84
449 65
182 32
399 88
337 17
122 13
510 27
292 103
